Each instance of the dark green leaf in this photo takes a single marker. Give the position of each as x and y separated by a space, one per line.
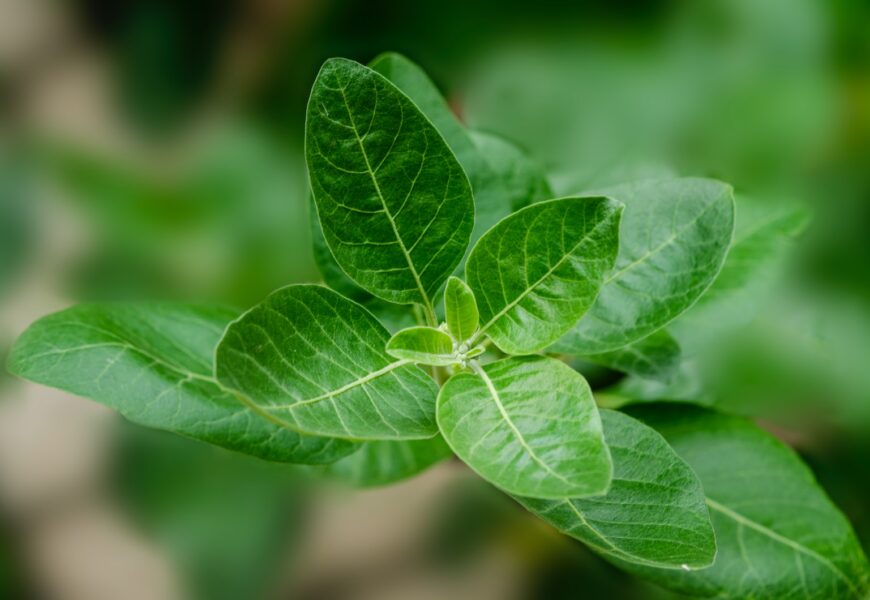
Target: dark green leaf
424 345
315 361
778 534
383 463
461 309
673 240
332 274
654 357
654 513
538 271
527 425
153 363
395 205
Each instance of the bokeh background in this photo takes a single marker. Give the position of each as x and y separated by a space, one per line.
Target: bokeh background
153 149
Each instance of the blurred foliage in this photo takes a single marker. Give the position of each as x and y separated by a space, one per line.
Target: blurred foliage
228 522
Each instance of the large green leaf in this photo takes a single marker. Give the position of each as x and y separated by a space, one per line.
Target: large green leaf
529 426
656 356
383 463
538 271
762 238
654 513
332 274
778 534
503 178
425 345
153 363
395 205
673 240
314 361
460 309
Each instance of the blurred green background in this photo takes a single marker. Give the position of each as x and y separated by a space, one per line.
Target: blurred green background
153 149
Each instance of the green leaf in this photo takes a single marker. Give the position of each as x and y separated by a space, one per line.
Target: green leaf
762 239
778 534
673 240
314 361
538 271
425 345
527 425
395 205
654 513
153 364
332 274
503 178
654 357
461 309
383 463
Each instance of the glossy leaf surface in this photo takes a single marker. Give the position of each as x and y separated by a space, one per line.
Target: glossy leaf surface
315 361
527 425
653 514
153 364
778 534
460 307
394 204
673 240
538 271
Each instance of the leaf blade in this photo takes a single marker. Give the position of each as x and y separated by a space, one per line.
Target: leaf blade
153 363
674 237
395 205
535 414
532 286
425 345
654 513
315 361
460 307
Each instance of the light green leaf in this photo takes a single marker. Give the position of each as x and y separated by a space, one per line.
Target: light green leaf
673 240
503 178
654 357
153 364
395 205
527 425
762 239
538 271
461 309
383 463
314 361
425 345
654 513
778 534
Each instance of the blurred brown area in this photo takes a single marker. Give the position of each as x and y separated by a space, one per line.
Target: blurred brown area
153 149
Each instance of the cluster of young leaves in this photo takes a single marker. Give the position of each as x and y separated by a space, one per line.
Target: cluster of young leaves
451 239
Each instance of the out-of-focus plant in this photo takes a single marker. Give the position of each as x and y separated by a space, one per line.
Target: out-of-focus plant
420 219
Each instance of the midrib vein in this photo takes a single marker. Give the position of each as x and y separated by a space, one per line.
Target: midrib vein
538 282
779 538
426 301
497 399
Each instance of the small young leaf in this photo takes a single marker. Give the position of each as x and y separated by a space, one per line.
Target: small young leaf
538 271
503 178
778 534
656 356
527 425
314 361
461 309
673 240
424 345
384 463
153 364
654 513
395 205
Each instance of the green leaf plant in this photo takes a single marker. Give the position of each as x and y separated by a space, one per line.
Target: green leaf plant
418 221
